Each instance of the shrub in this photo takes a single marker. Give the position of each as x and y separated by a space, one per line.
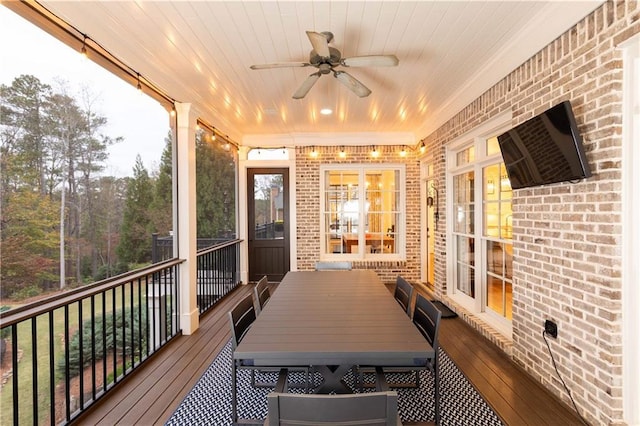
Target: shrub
123 327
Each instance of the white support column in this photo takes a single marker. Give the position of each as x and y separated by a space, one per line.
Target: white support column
186 208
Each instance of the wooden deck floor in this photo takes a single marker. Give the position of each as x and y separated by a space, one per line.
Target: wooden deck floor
152 393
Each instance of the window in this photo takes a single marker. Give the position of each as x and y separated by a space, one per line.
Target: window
481 230
362 211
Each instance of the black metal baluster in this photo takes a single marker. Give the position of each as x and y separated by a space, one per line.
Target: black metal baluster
14 365
81 353
34 368
104 341
114 328
155 326
67 380
124 330
133 333
52 372
93 348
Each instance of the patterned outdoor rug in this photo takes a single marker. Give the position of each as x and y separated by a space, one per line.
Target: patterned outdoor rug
209 402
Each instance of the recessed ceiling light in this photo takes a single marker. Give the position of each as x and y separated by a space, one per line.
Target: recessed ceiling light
326 111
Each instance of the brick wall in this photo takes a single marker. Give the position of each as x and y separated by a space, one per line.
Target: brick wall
566 236
308 206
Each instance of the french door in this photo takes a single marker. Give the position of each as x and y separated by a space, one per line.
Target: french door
481 232
268 227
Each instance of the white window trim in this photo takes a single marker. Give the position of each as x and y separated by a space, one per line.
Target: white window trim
630 230
400 242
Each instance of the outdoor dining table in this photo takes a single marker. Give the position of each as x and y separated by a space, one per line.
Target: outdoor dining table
333 321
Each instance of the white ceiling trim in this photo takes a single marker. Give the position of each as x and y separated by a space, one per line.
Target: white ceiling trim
329 139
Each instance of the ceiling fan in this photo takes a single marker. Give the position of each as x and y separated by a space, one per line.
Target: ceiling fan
326 59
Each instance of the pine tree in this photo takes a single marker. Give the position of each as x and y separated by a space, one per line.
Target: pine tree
215 190
137 226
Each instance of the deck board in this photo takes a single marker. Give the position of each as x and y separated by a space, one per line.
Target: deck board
143 398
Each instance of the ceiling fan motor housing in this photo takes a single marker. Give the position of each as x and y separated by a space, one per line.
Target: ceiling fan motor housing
333 59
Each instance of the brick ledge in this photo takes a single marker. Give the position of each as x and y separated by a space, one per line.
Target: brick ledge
501 341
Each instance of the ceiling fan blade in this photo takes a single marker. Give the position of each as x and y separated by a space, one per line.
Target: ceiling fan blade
354 85
279 65
371 61
306 86
320 43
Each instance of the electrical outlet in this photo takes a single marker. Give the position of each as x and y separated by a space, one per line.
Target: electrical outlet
551 328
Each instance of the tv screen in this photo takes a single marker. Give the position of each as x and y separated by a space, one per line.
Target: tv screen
545 149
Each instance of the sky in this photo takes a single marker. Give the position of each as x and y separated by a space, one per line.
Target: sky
139 119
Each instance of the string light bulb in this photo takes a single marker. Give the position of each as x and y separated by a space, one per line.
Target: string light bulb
403 152
139 87
173 111
314 153
422 147
83 51
342 153
213 134
375 153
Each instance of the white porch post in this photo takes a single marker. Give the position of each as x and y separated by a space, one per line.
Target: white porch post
186 199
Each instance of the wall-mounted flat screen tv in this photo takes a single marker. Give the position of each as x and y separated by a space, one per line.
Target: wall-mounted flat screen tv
545 149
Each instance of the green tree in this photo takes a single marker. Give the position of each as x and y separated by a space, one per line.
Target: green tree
29 237
137 227
24 148
215 189
162 207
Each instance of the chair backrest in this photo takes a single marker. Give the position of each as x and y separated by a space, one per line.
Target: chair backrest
403 294
241 317
262 293
427 318
373 408
333 266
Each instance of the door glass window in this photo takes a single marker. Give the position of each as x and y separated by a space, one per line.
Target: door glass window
497 234
463 196
268 192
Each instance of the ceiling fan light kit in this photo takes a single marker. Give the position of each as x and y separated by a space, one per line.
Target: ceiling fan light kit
326 58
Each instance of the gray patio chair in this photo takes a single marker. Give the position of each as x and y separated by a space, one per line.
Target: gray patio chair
427 317
373 408
241 317
333 266
261 293
403 294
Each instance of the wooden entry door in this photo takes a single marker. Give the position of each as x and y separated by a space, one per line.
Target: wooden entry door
268 215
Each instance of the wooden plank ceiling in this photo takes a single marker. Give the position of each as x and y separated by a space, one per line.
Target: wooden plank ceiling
200 52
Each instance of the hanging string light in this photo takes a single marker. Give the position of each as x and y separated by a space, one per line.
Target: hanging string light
403 152
314 153
83 51
342 153
374 152
422 147
139 86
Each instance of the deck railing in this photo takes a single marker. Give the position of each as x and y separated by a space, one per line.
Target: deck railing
66 352
218 273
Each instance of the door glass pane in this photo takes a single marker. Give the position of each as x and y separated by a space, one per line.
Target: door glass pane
268 193
381 209
463 203
492 146
431 226
341 213
465 254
